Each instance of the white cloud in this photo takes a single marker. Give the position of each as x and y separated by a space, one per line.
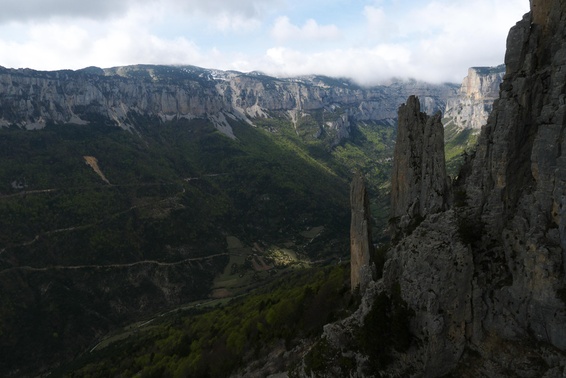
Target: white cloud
365 65
284 30
231 22
250 9
28 9
460 33
379 25
53 45
433 40
42 10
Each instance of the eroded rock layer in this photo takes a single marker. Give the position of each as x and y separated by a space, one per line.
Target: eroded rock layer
31 99
517 187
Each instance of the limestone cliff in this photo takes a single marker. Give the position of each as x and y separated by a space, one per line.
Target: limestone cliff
486 280
419 184
506 236
516 188
470 109
316 105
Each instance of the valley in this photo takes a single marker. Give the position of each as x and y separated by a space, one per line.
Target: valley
207 188
173 221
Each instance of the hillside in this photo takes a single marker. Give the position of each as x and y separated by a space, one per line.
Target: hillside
130 191
81 255
466 113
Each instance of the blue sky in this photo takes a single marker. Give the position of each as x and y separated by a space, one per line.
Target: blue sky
370 41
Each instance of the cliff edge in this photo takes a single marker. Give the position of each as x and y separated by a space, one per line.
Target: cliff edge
483 282
500 310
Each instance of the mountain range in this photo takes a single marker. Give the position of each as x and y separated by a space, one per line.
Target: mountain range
131 191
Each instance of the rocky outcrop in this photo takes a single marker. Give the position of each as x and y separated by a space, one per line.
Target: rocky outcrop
361 244
419 184
510 226
516 188
433 269
31 99
317 106
486 279
471 108
511 194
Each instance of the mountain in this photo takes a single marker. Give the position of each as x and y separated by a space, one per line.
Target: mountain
315 104
466 113
471 108
131 191
478 289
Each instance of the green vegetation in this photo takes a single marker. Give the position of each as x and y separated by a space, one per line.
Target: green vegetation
187 207
323 355
457 142
172 185
215 343
385 331
175 191
370 150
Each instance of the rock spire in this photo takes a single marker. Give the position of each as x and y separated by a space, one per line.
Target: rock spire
361 245
420 185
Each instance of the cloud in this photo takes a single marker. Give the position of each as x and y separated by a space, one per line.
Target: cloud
249 9
379 25
450 34
240 16
364 65
430 40
53 45
26 10
225 15
284 30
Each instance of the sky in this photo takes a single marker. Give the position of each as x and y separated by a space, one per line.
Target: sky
369 41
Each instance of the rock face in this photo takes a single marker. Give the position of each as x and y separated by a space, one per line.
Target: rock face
516 188
433 269
471 108
419 184
509 250
361 245
508 240
316 105
486 279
